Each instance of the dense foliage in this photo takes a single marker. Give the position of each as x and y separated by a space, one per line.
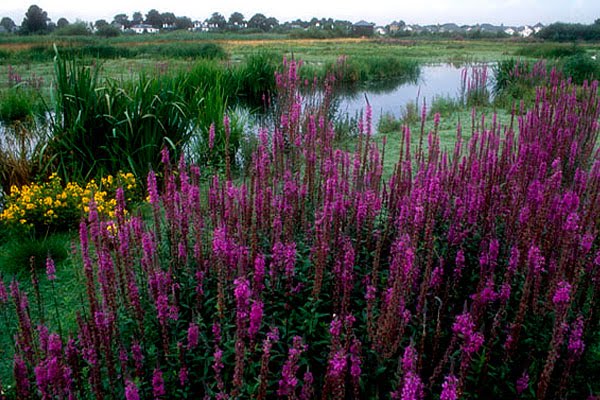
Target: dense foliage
470 274
563 32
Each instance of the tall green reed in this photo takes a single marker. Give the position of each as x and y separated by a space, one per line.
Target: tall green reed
105 126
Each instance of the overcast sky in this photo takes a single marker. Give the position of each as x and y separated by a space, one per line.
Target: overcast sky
381 12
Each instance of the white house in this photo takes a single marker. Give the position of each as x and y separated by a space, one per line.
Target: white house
525 31
144 28
380 30
510 31
200 26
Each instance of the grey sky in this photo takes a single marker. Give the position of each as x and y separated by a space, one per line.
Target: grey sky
508 12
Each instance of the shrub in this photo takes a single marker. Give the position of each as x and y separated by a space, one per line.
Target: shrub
78 28
581 67
108 31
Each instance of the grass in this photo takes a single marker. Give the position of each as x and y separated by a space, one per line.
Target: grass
15 262
315 53
447 131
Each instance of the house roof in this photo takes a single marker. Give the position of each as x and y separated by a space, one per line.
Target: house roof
364 23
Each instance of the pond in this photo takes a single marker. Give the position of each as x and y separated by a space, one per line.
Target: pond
442 80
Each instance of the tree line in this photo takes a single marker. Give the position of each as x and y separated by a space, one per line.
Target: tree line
36 21
561 32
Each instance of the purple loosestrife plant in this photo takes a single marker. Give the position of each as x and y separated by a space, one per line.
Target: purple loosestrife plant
289 380
449 390
158 384
131 391
503 225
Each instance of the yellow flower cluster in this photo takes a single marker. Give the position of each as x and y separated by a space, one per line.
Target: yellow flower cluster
53 204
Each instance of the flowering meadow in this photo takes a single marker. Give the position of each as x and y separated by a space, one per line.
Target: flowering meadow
472 272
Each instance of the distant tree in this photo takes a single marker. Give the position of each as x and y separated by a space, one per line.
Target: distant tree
168 18
597 21
272 23
217 20
122 19
258 21
299 23
62 22
101 23
78 28
137 18
8 24
562 32
154 18
108 31
183 23
35 21
236 20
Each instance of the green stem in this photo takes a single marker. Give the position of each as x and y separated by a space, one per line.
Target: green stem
60 331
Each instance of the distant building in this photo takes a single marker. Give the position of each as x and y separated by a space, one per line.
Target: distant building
525 31
144 28
450 27
200 26
363 28
537 27
510 31
395 26
380 30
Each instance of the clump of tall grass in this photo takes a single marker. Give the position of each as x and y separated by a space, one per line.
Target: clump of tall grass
254 79
185 50
515 80
96 48
409 113
19 103
27 253
550 51
445 105
21 133
352 70
388 123
104 127
21 145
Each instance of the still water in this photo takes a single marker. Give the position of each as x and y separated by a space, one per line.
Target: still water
442 80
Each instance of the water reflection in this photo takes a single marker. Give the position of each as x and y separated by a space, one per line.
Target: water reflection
443 80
